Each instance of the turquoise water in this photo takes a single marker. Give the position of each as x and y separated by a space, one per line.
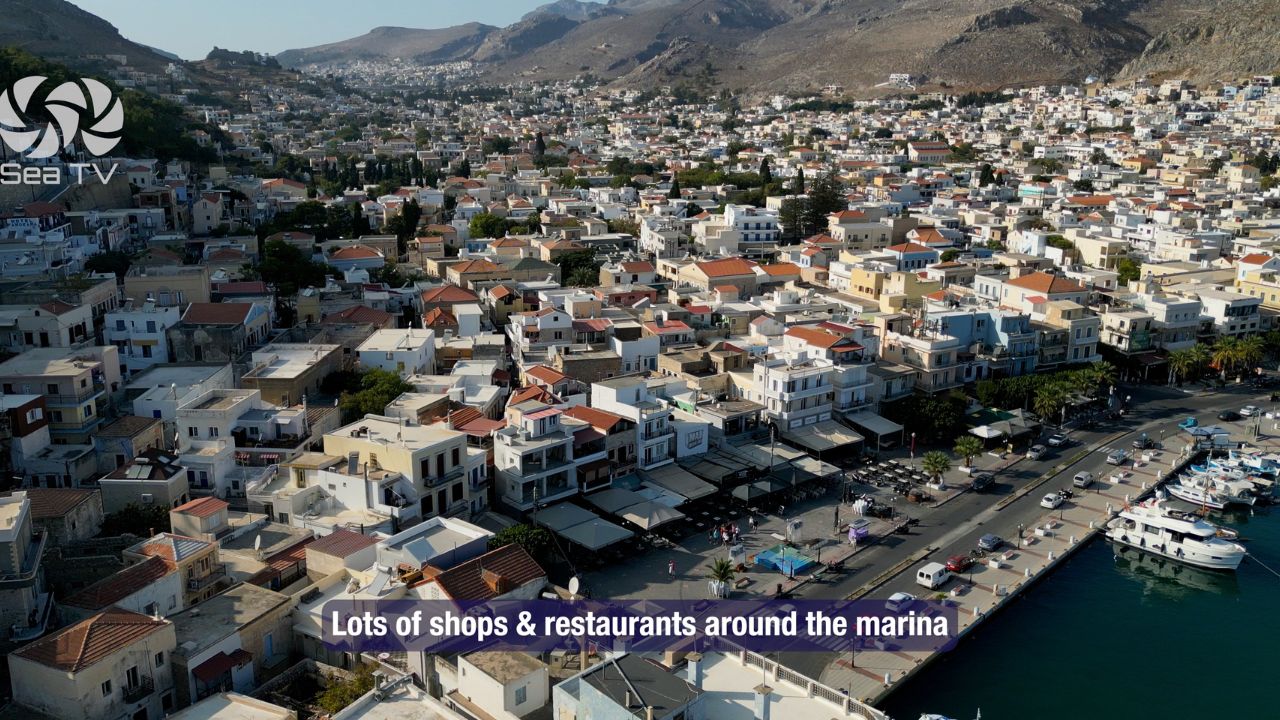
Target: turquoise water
1128 638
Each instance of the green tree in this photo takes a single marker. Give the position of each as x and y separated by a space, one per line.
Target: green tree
1226 355
825 197
766 173
539 145
797 184
535 540
722 571
968 447
338 694
1250 351
112 261
135 519
674 192
935 464
1050 400
986 176
378 388
1129 270
487 225
793 216
464 168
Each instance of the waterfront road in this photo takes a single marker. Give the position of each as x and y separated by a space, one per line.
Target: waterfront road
954 527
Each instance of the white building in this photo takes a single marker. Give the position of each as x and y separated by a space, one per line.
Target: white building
630 398
405 352
139 333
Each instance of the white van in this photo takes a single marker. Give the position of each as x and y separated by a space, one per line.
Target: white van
933 575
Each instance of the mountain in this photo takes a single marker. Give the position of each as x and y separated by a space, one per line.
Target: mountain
570 10
385 43
1228 39
59 31
804 45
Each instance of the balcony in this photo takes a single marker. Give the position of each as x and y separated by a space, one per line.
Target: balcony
134 693
449 476
194 583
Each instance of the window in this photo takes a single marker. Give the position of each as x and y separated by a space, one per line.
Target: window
159 659
213 431
52 388
522 695
456 459
106 689
193 432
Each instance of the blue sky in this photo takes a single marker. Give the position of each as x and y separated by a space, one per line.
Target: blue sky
190 29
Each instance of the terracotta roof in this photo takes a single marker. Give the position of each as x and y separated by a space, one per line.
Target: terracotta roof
599 419
342 543
1091 200
203 507
1045 283
290 235
359 314
449 294
849 215
781 269
637 267
355 252
544 374
243 287
532 392
119 585
495 573
171 547
814 336
668 326
55 502
86 643
909 247
1255 259
217 313
475 266
727 267
226 255
501 291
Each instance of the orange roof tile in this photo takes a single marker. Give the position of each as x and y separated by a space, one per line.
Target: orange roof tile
1044 283
77 647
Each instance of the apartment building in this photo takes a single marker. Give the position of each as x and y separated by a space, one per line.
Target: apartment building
534 457
742 230
154 477
51 324
1066 333
24 603
404 352
196 561
167 285
630 398
286 373
620 438
438 463
75 384
140 334
112 665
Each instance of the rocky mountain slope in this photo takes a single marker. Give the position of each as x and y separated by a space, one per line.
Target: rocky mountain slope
426 46
1223 39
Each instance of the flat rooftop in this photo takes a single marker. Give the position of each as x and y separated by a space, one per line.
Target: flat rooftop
181 375
389 432
428 540
233 706
395 340
206 624
288 360
505 667
49 362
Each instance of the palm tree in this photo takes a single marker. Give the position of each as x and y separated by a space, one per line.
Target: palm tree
1049 401
1225 354
968 447
1182 365
1200 353
1250 351
935 464
1104 373
1083 380
722 571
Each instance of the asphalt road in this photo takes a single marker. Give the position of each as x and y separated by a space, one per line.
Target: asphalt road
954 528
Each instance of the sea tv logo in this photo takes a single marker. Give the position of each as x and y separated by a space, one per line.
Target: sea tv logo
87 112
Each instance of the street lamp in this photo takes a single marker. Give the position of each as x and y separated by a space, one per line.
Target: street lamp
913 450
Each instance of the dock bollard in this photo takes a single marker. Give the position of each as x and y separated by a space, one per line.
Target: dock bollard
1109 509
1144 484
1126 498
1050 556
1071 539
1090 524
1026 572
888 678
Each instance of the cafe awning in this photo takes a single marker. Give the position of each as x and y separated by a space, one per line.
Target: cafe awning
564 515
875 424
595 534
614 499
679 481
822 436
649 515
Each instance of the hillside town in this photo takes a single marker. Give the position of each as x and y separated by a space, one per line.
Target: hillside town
564 340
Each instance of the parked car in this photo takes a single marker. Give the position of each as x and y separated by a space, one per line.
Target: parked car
990 542
1249 410
1051 501
900 602
1035 452
1229 415
1083 479
1117 457
933 575
1144 443
1057 440
959 563
982 481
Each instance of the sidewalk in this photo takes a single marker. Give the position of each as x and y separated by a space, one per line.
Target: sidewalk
869 674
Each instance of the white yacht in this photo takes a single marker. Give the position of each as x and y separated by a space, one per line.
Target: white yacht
1227 490
1177 535
1196 494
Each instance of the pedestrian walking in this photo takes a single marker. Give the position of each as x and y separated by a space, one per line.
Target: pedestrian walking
752 522
671 568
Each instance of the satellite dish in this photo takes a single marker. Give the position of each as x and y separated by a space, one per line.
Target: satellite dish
257 543
574 585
